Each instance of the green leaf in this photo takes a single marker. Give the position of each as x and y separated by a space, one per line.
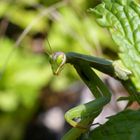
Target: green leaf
124 125
122 18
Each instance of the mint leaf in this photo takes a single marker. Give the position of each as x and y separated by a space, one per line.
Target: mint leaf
124 125
122 18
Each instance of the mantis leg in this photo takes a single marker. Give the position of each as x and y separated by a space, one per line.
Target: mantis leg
112 68
86 113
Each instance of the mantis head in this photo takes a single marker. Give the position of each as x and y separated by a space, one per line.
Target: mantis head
57 61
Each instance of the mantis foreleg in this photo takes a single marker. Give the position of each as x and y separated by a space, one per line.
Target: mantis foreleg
89 111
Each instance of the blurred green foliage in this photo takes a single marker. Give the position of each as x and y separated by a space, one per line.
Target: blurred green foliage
68 26
22 78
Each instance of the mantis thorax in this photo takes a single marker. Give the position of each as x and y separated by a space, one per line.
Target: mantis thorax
57 61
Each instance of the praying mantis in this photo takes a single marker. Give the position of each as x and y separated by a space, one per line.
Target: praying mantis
110 14
83 64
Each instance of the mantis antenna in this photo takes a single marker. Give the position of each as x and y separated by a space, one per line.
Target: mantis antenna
49 46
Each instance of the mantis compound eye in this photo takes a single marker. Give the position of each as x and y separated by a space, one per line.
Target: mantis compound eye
57 61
